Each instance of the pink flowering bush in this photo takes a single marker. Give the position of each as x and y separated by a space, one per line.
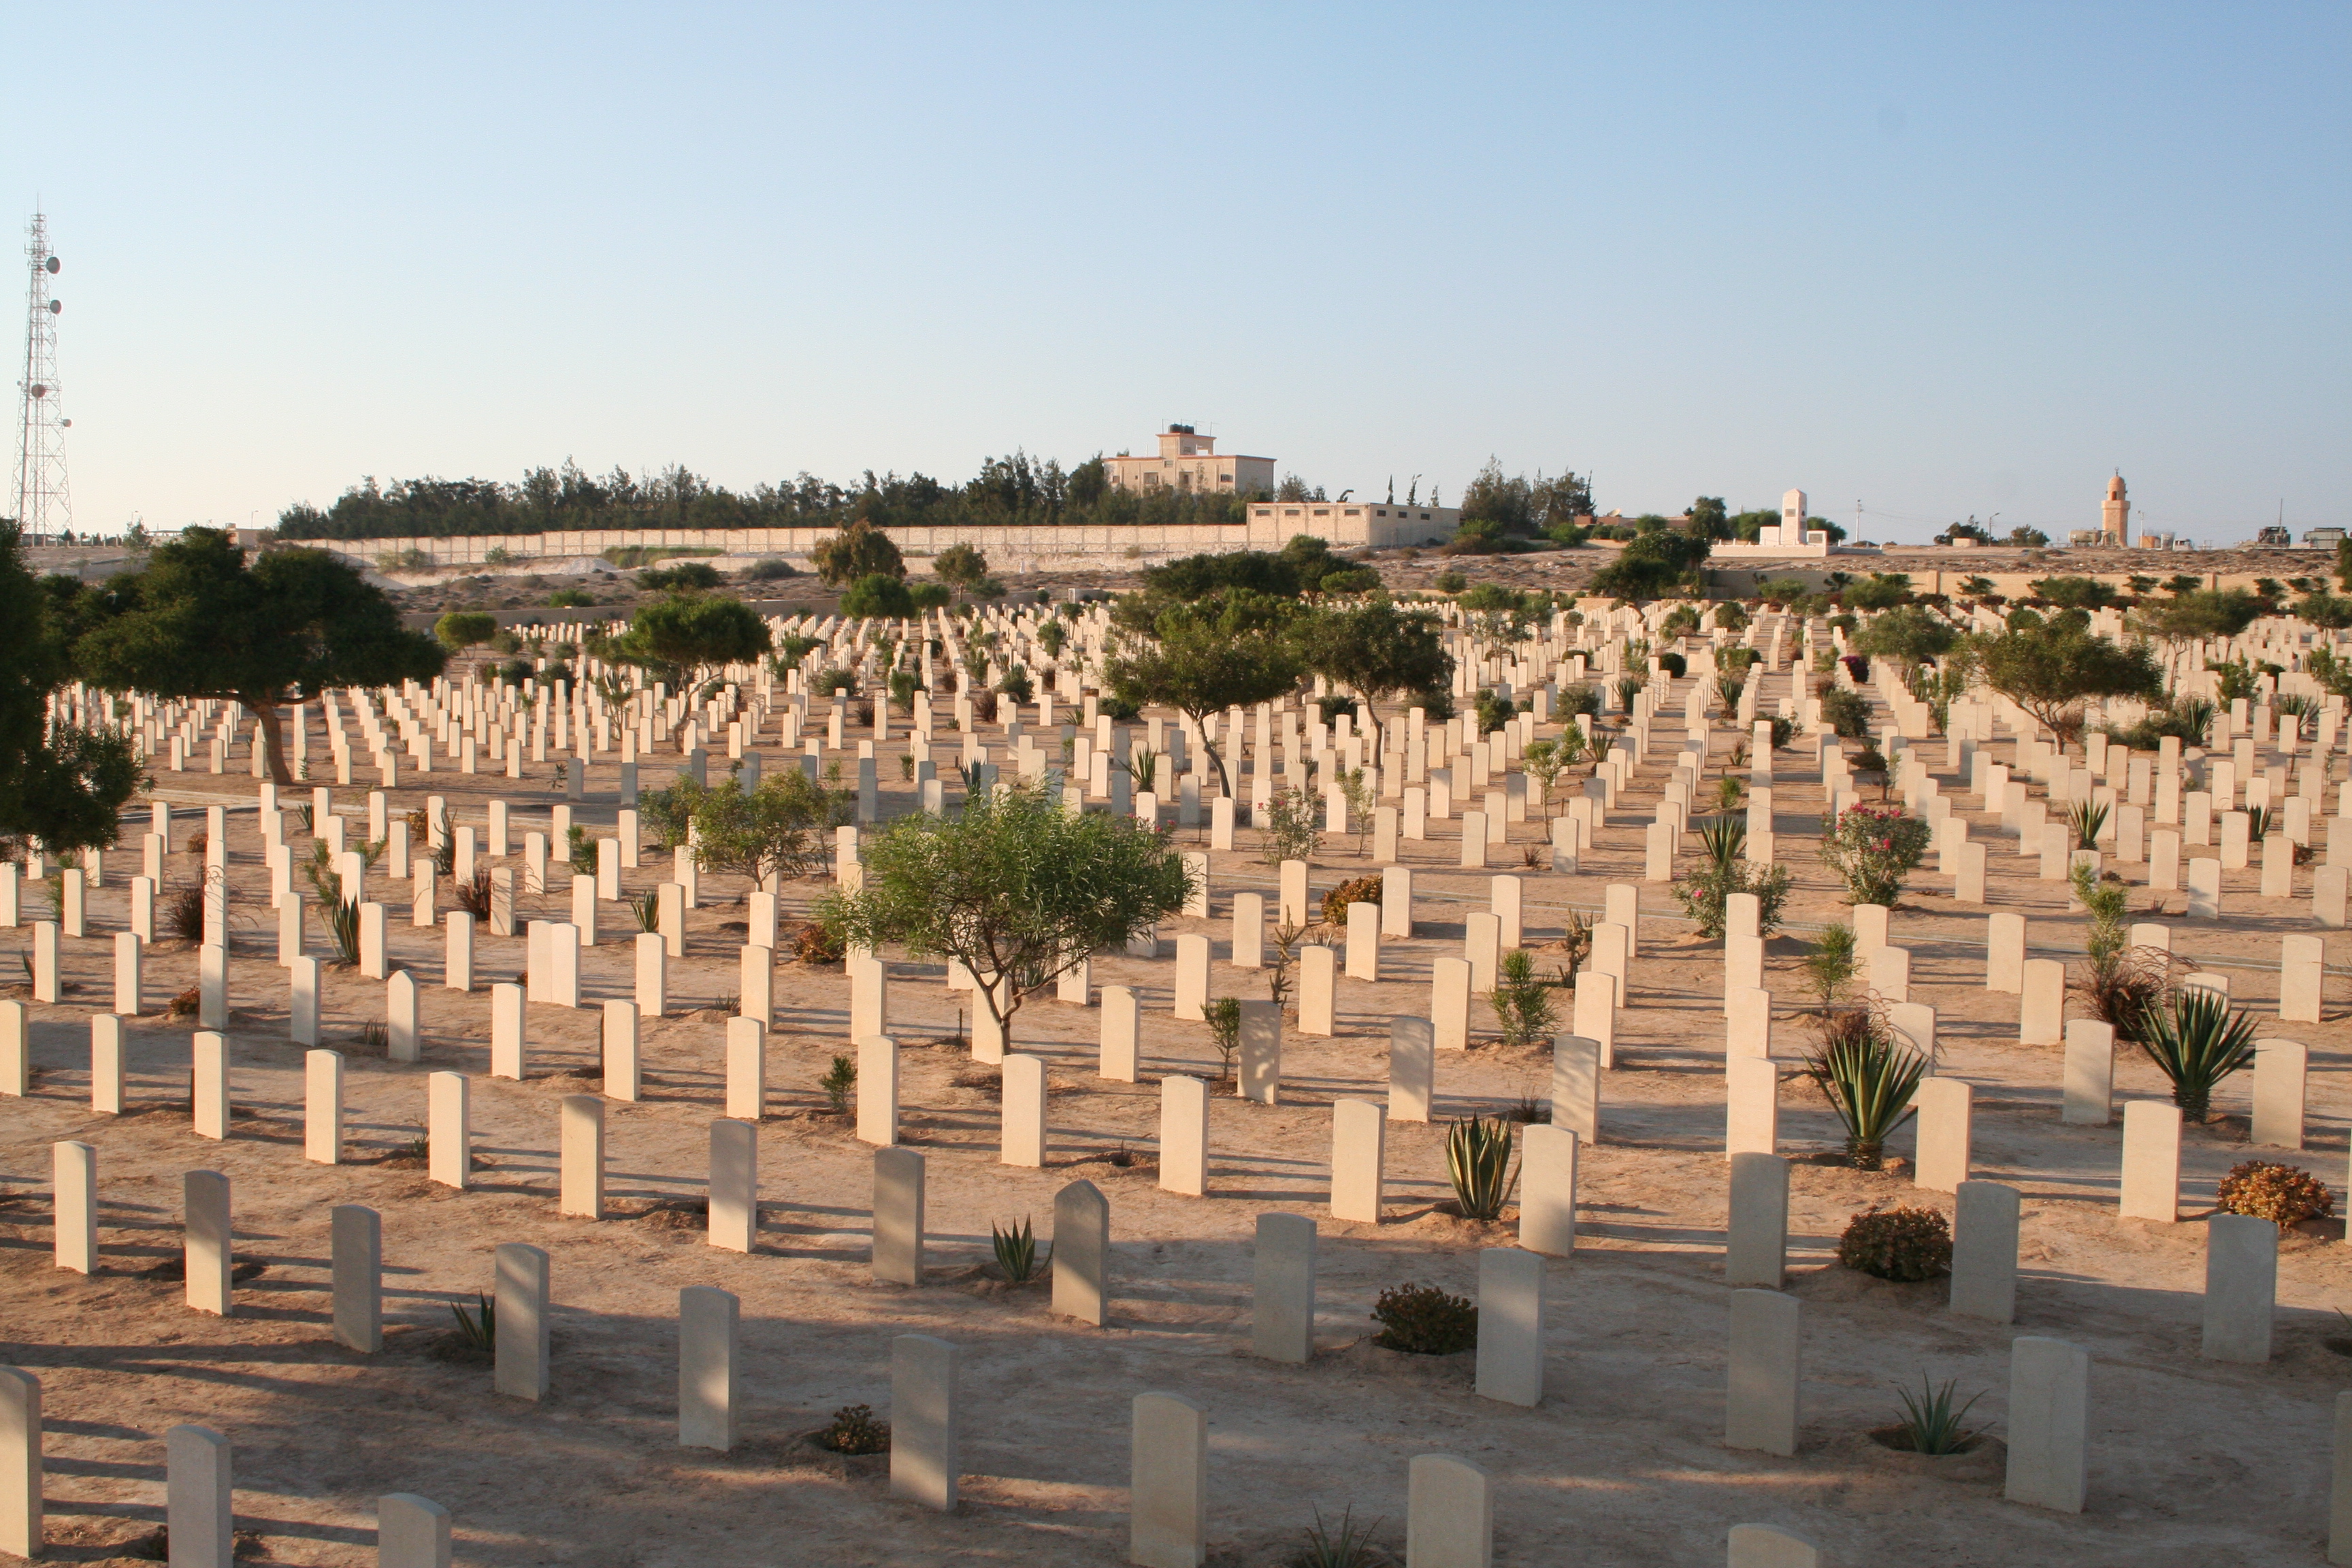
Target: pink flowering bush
1874 848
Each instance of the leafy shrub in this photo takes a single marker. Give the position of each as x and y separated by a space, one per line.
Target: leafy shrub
1872 848
1525 1006
1845 712
2280 1193
856 1431
1362 890
769 571
816 942
1224 1016
685 574
838 1084
570 599
1901 1243
1421 1319
1452 582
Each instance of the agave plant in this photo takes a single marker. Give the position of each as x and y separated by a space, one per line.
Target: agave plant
2260 821
1728 686
2293 712
1629 687
344 925
2088 819
1016 1251
2197 1041
1724 839
1931 1422
478 1329
1478 1161
1870 1081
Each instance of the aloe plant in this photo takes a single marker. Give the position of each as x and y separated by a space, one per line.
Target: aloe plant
2260 820
2088 819
1478 1162
2197 1041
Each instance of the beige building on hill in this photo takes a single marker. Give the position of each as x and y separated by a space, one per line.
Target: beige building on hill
1189 461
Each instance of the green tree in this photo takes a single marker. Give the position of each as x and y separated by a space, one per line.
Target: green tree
2052 671
200 621
880 594
2329 612
677 639
1203 658
2200 613
2075 593
780 829
959 565
60 784
1710 517
1882 591
1014 887
461 629
1653 562
1376 651
858 550
1911 633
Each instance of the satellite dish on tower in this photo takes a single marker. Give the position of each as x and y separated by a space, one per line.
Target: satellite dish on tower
56 306
54 265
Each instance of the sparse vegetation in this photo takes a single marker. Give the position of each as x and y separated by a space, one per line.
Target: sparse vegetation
1902 1244
1422 1319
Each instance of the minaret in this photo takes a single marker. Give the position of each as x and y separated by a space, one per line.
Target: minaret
2115 518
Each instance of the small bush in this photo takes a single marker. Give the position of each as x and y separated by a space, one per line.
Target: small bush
1904 1243
2283 1194
816 943
769 571
855 1431
1362 890
1421 1319
184 912
839 1084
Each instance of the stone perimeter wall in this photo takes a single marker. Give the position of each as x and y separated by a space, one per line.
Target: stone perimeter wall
1008 548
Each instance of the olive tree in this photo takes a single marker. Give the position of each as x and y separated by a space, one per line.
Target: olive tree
1014 887
780 829
200 621
2050 671
59 783
1228 651
1376 651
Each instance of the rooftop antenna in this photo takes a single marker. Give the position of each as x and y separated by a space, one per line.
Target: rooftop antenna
43 503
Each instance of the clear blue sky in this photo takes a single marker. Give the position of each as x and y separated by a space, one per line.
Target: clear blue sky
1942 261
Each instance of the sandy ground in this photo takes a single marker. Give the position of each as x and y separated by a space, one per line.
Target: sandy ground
2193 1462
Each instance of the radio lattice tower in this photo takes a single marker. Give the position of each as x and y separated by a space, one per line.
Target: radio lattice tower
44 505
